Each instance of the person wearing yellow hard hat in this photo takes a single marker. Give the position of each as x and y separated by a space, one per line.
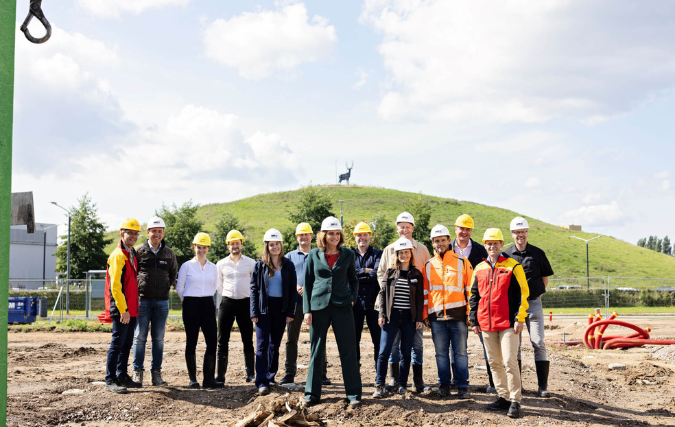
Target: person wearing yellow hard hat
475 253
331 289
273 301
196 285
538 269
498 308
121 302
234 286
304 236
367 261
405 226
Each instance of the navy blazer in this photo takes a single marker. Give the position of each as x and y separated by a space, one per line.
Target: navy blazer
323 285
259 288
369 288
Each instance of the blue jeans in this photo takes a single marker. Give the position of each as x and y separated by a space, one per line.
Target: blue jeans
402 326
151 314
417 348
120 345
447 335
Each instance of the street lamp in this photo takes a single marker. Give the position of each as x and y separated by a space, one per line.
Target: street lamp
341 221
588 279
67 261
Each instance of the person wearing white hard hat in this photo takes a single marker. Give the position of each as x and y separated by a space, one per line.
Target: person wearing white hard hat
367 261
537 270
405 226
497 311
331 289
447 280
304 236
196 285
157 272
401 313
234 285
273 291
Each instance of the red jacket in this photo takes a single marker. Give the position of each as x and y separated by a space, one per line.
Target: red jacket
498 295
121 290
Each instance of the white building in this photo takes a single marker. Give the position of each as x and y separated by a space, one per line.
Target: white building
32 256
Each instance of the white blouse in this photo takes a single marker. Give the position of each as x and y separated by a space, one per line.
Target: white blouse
193 281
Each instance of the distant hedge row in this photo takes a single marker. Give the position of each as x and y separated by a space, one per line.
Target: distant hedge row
78 298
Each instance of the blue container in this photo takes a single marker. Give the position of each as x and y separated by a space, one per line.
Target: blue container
23 309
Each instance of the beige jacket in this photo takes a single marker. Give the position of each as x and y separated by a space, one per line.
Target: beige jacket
420 252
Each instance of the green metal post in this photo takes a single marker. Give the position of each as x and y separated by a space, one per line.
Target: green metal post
7 31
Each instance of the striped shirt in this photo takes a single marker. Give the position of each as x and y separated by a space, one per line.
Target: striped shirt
402 292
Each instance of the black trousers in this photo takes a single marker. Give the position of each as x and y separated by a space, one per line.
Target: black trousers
229 311
374 328
199 313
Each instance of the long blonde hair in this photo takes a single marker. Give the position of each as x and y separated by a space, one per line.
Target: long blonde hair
267 259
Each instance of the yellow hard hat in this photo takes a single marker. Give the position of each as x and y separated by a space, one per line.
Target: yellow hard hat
362 227
303 228
464 221
234 235
202 239
130 224
493 234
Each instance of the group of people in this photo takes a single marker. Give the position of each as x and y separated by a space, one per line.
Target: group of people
397 292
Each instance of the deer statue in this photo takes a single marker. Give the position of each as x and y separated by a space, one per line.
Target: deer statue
345 176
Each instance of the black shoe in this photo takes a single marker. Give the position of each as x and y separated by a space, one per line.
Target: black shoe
463 393
157 380
402 390
250 378
354 403
115 387
194 384
249 359
221 368
209 370
325 381
288 379
394 370
310 401
263 390
191 362
542 367
127 382
514 410
443 390
379 391
418 381
500 404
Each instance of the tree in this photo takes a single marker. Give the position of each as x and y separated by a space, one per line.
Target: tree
225 224
659 245
651 243
421 211
384 232
314 206
642 242
667 248
87 241
181 227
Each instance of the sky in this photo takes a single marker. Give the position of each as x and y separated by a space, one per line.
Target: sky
558 110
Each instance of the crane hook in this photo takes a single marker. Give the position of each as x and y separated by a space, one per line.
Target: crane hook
35 10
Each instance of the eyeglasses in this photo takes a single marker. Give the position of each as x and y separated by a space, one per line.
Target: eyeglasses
132 233
519 233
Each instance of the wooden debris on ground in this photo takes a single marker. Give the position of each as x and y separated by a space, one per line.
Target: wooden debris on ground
288 411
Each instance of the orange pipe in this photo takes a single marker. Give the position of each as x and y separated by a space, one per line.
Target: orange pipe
598 340
634 342
589 341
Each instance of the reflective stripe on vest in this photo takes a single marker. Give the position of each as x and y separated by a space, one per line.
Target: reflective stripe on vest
447 306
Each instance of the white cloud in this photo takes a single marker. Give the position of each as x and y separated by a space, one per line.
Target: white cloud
264 43
532 182
521 61
114 8
603 215
362 75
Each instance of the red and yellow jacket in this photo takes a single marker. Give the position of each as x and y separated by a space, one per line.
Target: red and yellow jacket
498 295
121 290
447 287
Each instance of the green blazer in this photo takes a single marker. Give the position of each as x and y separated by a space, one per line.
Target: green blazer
338 285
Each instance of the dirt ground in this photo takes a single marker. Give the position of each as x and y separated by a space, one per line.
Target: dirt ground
42 366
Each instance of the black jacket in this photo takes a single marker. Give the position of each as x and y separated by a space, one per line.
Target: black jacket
416 284
156 273
259 284
369 288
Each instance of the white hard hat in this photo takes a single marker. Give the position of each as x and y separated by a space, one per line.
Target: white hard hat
439 230
273 235
405 217
402 243
331 223
156 222
519 223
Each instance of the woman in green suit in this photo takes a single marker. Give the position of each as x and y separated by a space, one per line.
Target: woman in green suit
331 288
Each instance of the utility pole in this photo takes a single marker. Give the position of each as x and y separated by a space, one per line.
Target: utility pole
588 278
342 223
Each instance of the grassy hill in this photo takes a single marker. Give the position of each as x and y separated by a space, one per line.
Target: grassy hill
608 256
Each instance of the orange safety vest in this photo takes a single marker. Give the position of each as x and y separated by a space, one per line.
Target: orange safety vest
447 284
